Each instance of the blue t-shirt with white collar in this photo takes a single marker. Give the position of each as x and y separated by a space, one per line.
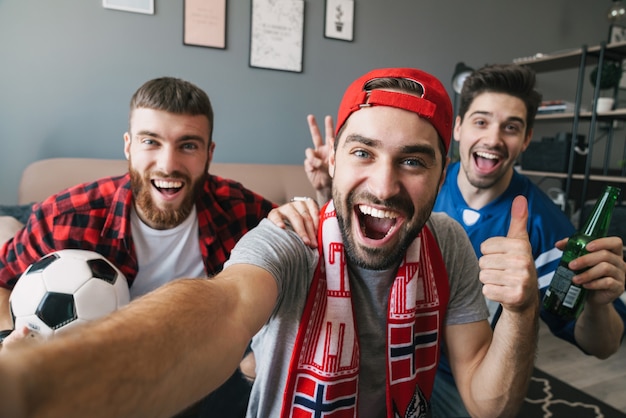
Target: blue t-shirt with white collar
546 225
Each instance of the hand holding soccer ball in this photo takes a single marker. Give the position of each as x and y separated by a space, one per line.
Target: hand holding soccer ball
66 288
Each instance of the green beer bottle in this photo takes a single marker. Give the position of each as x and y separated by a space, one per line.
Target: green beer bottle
563 297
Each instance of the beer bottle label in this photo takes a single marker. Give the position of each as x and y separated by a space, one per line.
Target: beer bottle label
562 287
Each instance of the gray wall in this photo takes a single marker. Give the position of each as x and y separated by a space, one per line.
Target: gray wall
69 67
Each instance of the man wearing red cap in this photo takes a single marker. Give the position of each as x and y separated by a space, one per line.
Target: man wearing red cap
353 328
494 126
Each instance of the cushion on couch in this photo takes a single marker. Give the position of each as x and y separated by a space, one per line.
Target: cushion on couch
8 227
276 182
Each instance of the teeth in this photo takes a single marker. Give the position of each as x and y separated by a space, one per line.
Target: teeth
168 184
487 155
377 213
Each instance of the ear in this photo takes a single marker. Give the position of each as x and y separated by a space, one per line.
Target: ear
529 136
331 157
444 172
456 132
210 152
127 140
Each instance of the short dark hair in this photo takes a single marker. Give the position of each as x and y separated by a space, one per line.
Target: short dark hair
173 95
512 79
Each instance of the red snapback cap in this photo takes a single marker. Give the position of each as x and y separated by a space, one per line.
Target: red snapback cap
434 105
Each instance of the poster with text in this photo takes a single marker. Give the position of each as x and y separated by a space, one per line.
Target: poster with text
276 36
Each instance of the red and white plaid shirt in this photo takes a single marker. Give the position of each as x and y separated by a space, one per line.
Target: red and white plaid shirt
96 216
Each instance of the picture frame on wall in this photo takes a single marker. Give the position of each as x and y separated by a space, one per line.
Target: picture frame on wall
204 23
339 20
135 6
277 34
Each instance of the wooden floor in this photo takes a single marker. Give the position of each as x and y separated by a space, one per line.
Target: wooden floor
602 379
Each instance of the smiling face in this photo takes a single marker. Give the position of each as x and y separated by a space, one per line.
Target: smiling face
168 156
387 168
491 136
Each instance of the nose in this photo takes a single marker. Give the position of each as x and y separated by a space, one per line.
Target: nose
166 160
383 180
492 135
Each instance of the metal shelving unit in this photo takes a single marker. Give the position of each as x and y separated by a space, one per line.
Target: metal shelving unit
580 58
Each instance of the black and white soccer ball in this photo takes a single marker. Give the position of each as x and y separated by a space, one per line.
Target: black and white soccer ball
66 288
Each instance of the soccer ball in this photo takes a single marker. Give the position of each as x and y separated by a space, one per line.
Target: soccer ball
65 288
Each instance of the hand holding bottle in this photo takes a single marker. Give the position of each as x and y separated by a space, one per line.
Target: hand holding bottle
605 269
565 297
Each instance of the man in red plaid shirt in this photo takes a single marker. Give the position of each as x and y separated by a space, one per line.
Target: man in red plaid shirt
165 218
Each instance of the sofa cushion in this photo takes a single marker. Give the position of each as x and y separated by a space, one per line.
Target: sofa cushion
276 182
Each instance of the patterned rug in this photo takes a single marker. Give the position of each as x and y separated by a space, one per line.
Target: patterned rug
551 397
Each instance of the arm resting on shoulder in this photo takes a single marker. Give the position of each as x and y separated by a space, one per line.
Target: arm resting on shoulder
154 357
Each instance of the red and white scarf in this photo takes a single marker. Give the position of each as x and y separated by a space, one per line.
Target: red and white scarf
324 369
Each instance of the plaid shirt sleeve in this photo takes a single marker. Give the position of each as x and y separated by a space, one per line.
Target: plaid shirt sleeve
226 212
75 218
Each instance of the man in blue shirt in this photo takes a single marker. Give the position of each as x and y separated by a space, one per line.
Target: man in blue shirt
498 105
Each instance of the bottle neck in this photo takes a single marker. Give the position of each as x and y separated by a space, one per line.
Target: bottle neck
597 224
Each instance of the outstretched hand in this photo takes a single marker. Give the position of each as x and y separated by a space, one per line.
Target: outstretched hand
507 265
316 161
20 336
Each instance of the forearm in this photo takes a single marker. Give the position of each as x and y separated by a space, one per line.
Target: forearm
501 380
152 358
599 330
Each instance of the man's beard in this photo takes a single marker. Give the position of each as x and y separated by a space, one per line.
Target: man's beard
391 255
170 216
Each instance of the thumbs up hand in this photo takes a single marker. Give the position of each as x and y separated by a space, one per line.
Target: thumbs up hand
507 266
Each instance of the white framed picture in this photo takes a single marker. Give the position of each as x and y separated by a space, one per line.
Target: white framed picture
277 34
339 21
136 6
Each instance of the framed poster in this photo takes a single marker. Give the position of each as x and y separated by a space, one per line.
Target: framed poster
339 21
136 6
276 34
205 23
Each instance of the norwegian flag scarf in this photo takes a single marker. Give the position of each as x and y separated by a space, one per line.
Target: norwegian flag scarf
324 368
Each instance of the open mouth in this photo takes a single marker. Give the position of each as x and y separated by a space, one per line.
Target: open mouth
375 223
168 187
486 160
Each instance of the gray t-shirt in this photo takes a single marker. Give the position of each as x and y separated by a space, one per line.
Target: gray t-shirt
292 264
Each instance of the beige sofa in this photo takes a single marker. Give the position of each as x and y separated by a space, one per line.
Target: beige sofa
276 182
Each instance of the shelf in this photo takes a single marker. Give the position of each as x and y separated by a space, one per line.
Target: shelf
578 59
575 176
610 115
570 58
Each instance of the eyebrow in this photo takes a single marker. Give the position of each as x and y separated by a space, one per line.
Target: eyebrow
181 139
509 119
146 133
